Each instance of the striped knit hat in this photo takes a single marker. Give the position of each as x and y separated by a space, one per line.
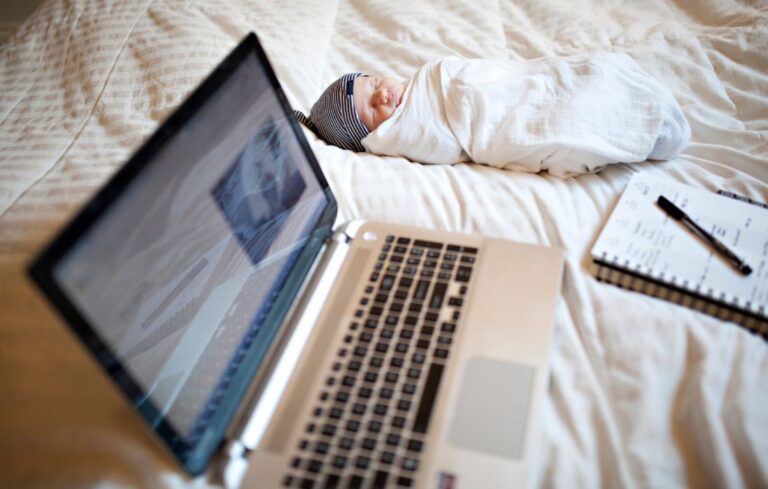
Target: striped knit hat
334 118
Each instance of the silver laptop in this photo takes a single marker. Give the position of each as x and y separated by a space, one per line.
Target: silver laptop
268 347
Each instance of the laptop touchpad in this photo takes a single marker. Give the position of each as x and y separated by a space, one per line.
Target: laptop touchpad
492 408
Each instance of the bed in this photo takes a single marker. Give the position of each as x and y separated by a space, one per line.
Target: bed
643 393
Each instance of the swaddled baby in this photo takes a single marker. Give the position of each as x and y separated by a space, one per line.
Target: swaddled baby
564 115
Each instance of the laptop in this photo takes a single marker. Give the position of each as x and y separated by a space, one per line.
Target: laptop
268 345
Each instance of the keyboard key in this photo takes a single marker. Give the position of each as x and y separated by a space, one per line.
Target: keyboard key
362 462
355 482
409 463
314 466
322 447
364 393
346 443
332 481
380 480
438 294
342 397
420 292
359 409
404 482
307 483
415 445
428 396
428 244
387 458
353 426
463 274
375 311
370 377
368 444
389 280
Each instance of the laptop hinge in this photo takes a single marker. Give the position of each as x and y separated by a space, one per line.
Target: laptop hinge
268 386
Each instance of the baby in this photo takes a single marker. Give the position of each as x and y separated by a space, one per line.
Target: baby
353 106
564 115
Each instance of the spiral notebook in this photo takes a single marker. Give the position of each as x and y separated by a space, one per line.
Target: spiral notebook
642 249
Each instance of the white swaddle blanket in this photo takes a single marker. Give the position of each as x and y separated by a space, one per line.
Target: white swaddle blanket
565 115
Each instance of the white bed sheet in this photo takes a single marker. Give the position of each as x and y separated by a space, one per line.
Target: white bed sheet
643 393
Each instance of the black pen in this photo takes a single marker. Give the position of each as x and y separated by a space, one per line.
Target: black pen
676 213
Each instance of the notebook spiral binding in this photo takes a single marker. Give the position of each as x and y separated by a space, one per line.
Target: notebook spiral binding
613 271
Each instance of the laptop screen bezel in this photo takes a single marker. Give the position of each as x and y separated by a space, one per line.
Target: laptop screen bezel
193 457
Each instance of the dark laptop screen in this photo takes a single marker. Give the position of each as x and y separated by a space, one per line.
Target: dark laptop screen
179 277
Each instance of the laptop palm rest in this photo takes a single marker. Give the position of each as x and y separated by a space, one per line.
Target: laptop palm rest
492 407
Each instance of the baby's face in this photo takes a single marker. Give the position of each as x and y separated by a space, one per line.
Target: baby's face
376 98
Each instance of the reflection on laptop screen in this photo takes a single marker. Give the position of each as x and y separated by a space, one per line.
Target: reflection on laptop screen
177 277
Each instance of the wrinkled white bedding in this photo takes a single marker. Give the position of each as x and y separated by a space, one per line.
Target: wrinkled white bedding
567 116
642 393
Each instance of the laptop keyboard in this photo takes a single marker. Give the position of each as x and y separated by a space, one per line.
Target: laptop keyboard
370 421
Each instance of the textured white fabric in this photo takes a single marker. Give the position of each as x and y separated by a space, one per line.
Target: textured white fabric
642 393
565 115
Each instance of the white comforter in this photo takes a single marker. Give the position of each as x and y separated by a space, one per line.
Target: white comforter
642 392
565 115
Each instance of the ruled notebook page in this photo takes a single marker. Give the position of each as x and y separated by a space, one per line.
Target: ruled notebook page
641 238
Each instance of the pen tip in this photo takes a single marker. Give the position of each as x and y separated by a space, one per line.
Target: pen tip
745 269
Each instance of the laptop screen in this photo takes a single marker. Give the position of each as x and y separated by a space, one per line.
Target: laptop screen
185 276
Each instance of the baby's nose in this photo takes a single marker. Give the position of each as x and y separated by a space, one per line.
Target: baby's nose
382 96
